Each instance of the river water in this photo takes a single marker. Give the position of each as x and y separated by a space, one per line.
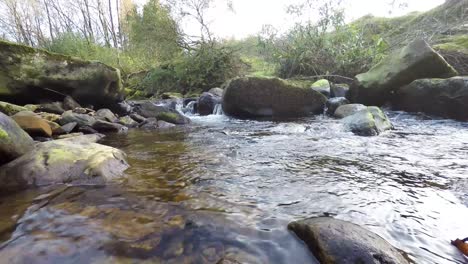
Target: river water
225 189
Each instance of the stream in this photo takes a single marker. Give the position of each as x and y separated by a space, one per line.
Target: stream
225 189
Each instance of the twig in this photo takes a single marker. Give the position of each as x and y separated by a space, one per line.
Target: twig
321 76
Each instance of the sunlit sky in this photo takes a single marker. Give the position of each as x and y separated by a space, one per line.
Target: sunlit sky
250 15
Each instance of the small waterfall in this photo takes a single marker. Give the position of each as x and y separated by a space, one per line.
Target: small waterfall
218 109
190 108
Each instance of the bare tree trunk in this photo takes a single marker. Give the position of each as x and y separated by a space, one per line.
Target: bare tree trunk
112 27
51 32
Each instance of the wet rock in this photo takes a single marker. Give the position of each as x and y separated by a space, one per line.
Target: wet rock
69 103
348 109
441 97
87 130
33 125
54 126
124 108
65 129
80 119
415 61
368 122
189 100
260 97
334 103
77 160
104 126
138 118
53 108
31 75
161 112
14 141
11 109
49 116
335 241
339 90
322 86
207 102
128 122
31 107
106 115
216 91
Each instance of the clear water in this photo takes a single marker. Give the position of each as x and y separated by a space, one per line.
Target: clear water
226 189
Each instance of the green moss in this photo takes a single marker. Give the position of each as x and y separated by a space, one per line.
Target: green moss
168 117
3 135
60 155
11 109
321 83
455 43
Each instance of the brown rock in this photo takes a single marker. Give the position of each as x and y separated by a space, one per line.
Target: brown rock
34 126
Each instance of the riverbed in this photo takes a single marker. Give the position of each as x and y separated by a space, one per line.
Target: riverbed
225 189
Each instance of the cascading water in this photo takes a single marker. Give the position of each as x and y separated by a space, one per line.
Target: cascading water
218 109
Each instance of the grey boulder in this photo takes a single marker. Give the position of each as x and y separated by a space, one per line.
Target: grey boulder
334 241
368 122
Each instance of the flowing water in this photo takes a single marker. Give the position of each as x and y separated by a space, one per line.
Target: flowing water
226 189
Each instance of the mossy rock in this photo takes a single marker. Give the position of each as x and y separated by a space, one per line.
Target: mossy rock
29 75
415 61
368 122
173 118
270 97
14 141
73 160
11 109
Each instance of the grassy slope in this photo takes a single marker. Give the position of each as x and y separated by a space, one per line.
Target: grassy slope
444 27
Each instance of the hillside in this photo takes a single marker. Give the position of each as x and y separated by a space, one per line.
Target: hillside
444 27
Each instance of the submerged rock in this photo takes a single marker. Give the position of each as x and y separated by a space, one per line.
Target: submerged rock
335 241
442 97
34 126
31 75
415 61
347 110
14 141
334 103
322 86
76 159
368 122
207 102
260 97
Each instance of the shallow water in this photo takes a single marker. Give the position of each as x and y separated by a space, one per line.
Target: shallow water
226 189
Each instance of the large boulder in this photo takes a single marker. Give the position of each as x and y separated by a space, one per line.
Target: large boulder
14 141
266 97
335 241
29 75
104 126
106 115
207 102
415 61
72 160
442 97
368 122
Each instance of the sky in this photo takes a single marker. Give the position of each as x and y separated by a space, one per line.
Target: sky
250 15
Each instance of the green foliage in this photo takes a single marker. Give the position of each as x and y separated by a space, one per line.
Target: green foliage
206 66
327 47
